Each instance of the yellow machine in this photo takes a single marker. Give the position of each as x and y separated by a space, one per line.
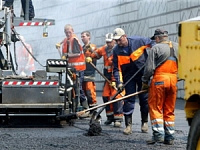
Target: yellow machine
189 70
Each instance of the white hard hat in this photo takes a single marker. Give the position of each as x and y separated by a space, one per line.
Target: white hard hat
109 37
118 32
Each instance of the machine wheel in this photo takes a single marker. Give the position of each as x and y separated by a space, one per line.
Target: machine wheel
194 133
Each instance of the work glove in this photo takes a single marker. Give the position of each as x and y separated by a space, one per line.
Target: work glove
145 86
63 57
120 87
58 45
87 46
90 48
88 59
113 84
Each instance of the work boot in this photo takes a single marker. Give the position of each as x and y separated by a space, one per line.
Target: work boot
109 120
144 126
117 124
128 123
128 130
153 141
169 142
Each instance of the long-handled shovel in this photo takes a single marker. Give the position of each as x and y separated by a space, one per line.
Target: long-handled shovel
59 52
76 115
110 102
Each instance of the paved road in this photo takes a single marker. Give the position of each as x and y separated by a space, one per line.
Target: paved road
72 137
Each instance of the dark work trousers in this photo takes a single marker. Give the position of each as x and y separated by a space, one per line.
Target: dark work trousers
31 8
82 94
129 103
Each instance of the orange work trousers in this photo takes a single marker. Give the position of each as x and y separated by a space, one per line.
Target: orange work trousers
114 109
89 88
162 98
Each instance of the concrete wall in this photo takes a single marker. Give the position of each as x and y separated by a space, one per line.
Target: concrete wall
136 17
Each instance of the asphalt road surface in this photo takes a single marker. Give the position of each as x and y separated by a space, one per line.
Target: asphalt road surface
74 138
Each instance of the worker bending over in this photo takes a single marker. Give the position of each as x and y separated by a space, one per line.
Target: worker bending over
129 56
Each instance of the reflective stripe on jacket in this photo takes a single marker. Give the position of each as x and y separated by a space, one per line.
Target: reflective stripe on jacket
162 98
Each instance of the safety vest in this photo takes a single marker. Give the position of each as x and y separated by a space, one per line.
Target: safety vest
170 65
73 46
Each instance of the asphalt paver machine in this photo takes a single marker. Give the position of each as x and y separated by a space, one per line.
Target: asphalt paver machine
48 94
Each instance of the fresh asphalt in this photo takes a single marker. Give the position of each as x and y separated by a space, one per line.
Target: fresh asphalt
111 138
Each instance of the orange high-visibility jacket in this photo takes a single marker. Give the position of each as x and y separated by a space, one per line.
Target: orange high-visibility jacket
73 46
128 60
107 57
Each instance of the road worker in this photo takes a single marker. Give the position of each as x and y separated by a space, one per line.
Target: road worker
73 52
162 67
128 57
89 86
114 112
25 61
